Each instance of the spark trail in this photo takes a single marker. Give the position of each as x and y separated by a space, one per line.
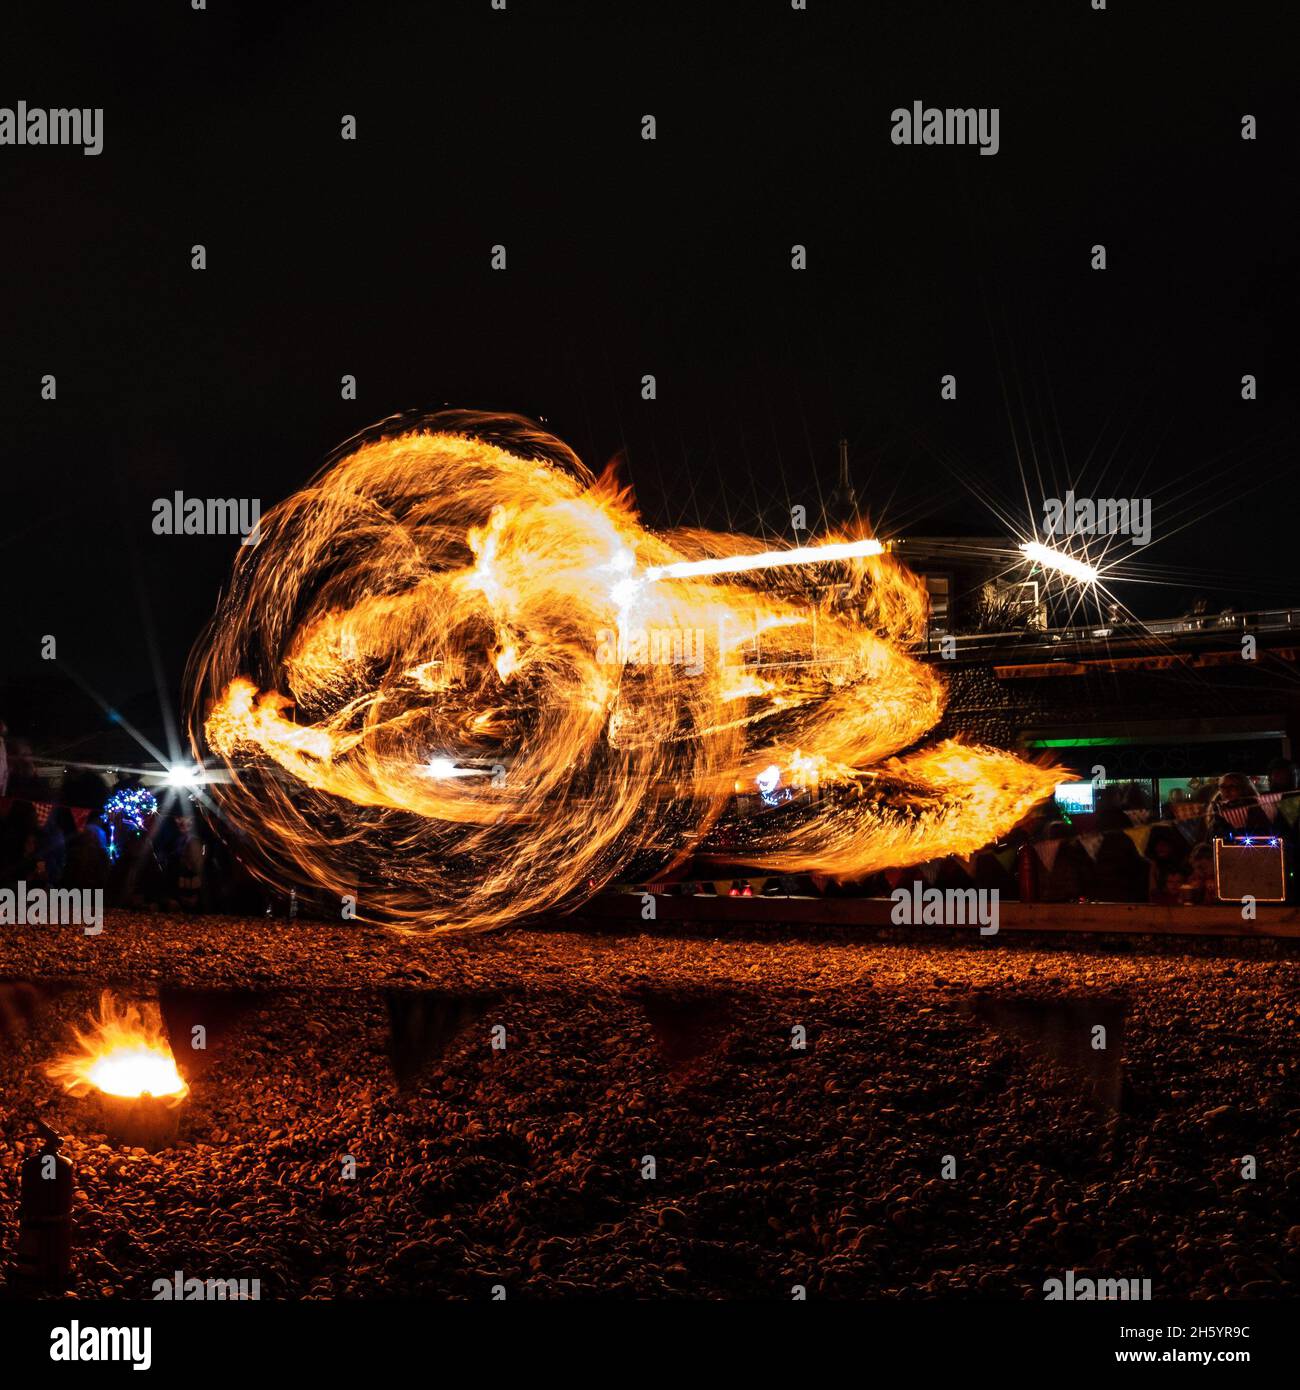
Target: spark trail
446 683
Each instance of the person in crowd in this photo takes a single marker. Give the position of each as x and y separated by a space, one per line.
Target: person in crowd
1120 874
1282 785
87 864
23 780
217 876
187 864
1235 809
952 874
20 856
1070 877
1200 886
15 827
1167 854
53 842
167 836
94 827
1177 798
137 879
1029 829
1205 794
1135 797
991 875
1108 812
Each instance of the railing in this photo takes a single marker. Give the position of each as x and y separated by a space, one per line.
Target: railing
1267 620
1051 640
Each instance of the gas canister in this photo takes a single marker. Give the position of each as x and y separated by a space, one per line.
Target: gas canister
45 1217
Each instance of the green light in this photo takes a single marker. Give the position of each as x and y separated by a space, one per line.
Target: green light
1081 742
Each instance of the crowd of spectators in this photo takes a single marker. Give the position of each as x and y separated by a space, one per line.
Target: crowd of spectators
173 864
1129 850
1124 850
70 838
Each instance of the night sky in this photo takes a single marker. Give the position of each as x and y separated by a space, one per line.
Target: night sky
628 257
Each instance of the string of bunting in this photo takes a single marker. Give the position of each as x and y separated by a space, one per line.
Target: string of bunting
45 809
1190 818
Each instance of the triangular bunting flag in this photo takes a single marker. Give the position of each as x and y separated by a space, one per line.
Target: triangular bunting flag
1047 850
1092 843
1139 834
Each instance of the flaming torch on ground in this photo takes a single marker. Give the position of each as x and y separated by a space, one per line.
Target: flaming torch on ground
459 681
122 1061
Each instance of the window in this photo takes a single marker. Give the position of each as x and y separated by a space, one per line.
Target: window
937 586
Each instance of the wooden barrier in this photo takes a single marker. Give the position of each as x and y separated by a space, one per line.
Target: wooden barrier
1130 918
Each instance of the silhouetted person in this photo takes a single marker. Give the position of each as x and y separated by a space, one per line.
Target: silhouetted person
1201 887
187 864
1121 875
1107 812
53 844
1235 809
1177 798
87 864
21 860
1167 854
23 781
1070 877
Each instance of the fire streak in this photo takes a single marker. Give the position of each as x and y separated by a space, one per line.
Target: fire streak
445 686
766 560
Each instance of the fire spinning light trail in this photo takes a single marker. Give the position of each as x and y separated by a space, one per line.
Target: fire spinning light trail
457 680
1056 560
768 559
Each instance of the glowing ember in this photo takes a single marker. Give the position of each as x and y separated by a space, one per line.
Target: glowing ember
458 682
124 1052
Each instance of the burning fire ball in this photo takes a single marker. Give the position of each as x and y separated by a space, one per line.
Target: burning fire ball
122 1065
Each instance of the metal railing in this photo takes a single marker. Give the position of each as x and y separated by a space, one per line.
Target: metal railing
1053 640
1265 620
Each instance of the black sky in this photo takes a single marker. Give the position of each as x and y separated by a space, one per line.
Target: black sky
628 257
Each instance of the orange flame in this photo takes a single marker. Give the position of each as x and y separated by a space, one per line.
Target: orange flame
457 680
124 1052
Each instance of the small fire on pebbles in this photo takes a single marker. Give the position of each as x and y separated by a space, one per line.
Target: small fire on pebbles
123 1062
